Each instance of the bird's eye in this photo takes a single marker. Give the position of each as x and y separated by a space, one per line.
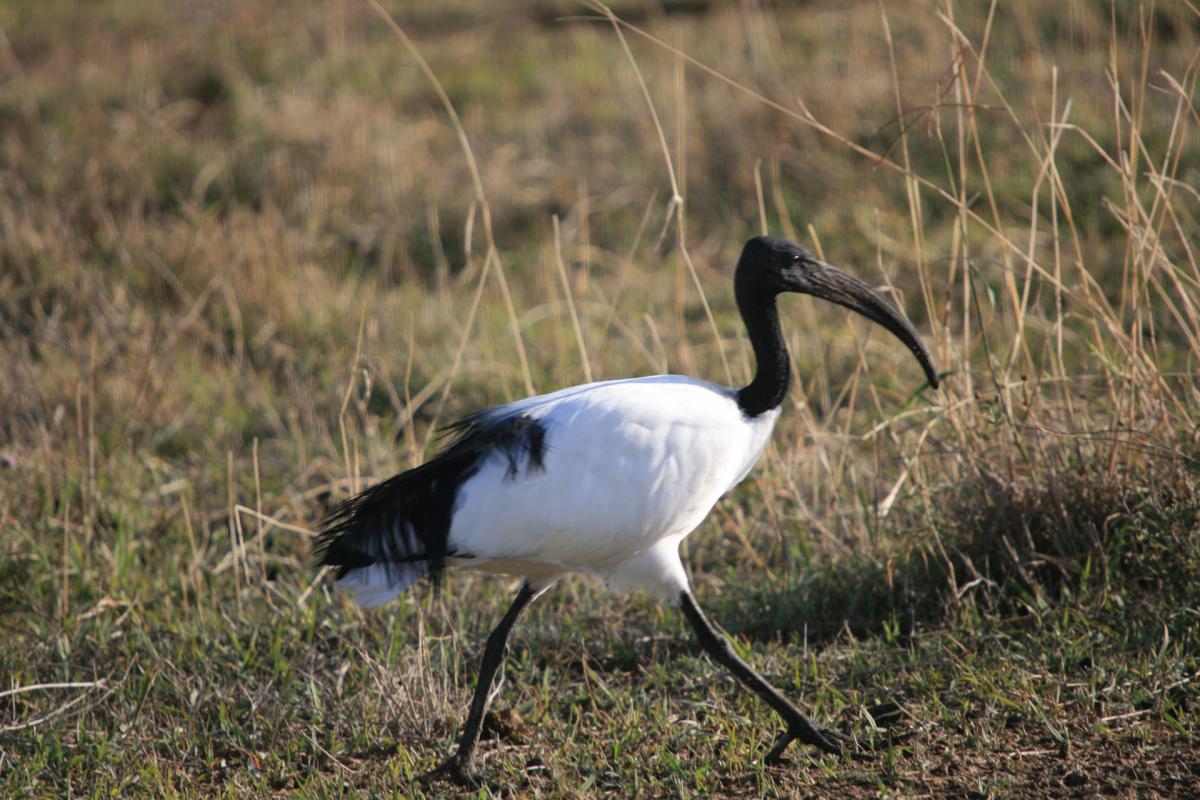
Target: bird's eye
796 258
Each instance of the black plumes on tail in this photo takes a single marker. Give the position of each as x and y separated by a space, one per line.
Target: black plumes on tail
406 519
402 520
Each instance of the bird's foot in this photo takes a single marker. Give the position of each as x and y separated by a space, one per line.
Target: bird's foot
827 741
456 768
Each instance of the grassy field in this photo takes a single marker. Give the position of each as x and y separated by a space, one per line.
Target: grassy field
250 260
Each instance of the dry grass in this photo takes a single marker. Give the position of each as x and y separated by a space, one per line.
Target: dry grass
247 265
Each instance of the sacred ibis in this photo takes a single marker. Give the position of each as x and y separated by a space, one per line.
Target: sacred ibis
605 479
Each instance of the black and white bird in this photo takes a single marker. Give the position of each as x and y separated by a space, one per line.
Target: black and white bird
604 479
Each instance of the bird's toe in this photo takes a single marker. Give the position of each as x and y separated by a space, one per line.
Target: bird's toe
835 743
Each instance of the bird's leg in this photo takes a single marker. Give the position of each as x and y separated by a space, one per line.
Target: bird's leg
717 646
457 766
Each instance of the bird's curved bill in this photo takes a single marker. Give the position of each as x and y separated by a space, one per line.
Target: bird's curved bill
830 283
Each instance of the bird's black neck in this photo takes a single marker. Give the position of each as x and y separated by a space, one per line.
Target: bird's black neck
773 372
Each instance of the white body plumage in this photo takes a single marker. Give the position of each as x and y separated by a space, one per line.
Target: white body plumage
629 468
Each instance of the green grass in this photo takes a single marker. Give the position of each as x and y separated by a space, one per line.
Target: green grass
240 251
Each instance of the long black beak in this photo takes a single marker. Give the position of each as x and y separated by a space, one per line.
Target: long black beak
830 283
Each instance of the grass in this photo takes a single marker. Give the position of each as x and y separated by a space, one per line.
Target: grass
247 267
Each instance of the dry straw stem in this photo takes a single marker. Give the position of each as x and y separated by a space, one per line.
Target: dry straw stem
492 258
676 205
57 712
566 285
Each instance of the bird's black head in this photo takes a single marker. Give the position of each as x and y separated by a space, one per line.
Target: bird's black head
770 265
